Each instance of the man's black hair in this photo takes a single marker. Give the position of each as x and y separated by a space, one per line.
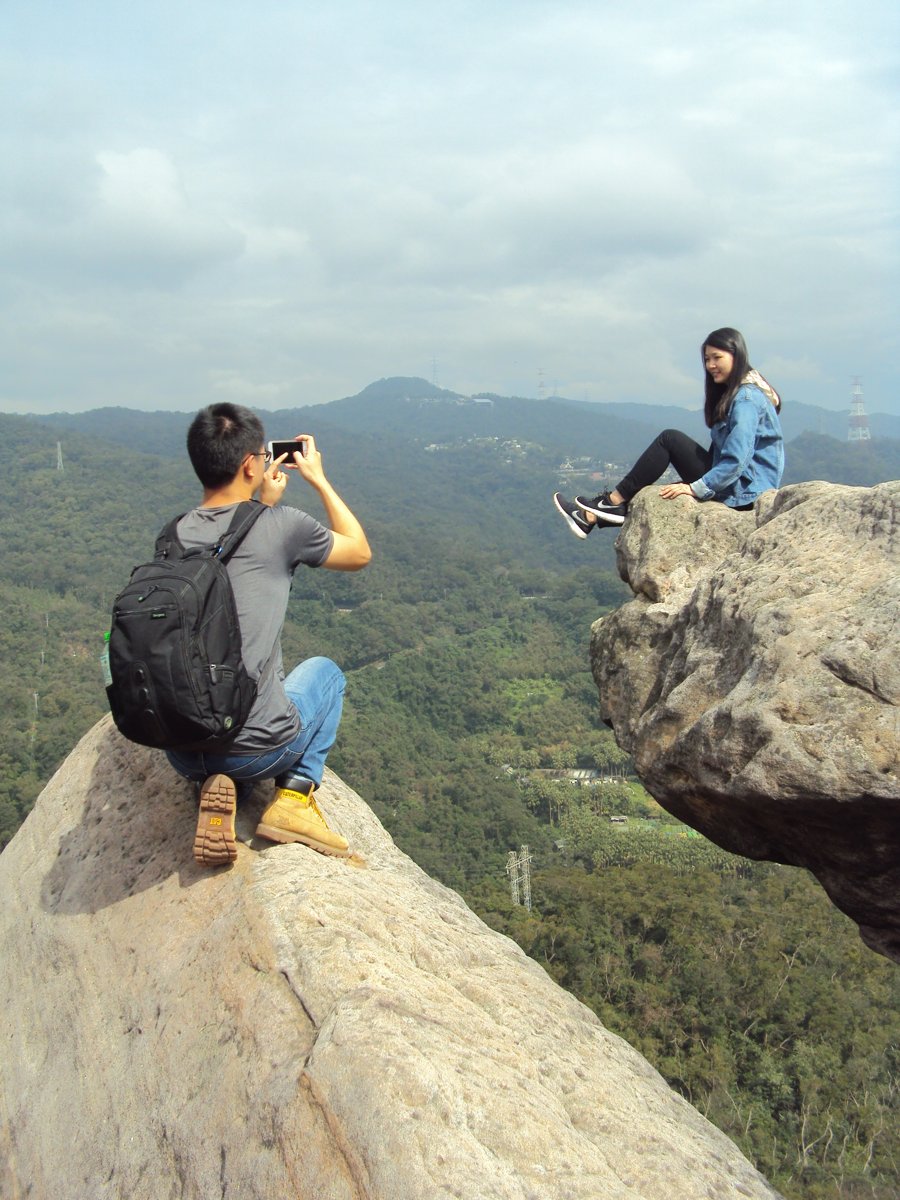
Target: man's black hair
219 439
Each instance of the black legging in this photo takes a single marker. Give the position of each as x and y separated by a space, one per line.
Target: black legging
671 448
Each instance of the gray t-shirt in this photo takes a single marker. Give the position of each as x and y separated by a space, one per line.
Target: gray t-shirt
260 571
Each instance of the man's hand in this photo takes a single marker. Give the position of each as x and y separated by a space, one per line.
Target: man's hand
350 550
309 464
274 482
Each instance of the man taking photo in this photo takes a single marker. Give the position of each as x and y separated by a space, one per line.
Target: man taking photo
294 719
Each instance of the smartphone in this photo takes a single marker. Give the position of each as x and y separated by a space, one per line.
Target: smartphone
289 447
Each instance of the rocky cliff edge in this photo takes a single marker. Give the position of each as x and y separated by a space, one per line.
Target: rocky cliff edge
297 1026
755 680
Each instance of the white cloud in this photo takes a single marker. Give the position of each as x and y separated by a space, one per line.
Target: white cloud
143 230
142 187
273 202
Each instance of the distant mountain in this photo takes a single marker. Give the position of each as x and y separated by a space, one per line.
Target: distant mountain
400 387
409 409
413 407
429 415
160 433
807 418
410 446
795 419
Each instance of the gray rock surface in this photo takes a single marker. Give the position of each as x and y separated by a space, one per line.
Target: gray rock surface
297 1025
755 680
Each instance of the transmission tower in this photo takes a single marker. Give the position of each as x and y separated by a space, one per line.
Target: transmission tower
858 430
512 870
518 868
525 872
59 461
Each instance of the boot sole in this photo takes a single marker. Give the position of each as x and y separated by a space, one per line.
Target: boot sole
215 844
286 836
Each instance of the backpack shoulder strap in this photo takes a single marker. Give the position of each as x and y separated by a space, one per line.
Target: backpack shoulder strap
167 540
245 517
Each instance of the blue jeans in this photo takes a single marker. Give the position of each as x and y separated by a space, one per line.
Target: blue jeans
316 688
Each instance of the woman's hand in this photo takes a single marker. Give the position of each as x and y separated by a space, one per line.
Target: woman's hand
671 490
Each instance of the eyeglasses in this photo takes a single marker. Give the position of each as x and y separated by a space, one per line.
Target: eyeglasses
263 454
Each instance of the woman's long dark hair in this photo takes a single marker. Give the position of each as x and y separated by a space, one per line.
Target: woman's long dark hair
720 395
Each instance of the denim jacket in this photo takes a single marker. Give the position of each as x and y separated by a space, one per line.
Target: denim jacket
747 451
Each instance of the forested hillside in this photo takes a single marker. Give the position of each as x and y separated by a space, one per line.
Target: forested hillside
859 464
470 707
597 440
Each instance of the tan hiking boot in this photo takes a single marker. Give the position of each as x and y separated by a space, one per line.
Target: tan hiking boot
214 842
294 816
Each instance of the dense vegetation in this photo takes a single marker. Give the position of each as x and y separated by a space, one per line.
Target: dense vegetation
814 456
750 994
469 706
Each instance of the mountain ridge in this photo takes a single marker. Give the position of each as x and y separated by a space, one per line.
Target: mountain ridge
796 417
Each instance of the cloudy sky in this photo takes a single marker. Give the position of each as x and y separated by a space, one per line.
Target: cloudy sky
277 202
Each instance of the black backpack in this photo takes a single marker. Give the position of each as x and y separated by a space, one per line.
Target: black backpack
178 679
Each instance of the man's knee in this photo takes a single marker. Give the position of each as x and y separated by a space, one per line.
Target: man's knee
326 668
317 673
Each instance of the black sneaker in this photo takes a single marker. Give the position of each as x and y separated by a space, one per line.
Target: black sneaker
603 508
572 515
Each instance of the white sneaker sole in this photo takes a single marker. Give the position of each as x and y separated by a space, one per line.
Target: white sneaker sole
606 518
579 533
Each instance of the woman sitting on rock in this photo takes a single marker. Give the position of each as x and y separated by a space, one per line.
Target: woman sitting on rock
745 459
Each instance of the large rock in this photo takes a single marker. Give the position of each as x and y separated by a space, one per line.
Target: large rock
297 1025
755 680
